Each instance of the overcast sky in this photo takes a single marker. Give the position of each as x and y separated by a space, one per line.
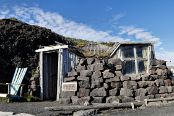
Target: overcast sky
102 20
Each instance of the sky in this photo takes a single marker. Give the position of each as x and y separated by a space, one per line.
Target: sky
102 20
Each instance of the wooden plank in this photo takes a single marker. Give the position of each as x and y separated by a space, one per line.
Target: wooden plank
149 57
136 61
94 106
51 48
41 74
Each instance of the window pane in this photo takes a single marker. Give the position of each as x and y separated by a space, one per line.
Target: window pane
128 51
129 67
142 51
142 66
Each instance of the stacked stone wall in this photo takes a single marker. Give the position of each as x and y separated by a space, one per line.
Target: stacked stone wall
102 81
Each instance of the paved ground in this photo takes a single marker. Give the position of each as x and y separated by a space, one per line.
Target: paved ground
37 108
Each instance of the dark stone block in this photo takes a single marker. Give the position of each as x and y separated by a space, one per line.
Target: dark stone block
116 85
114 79
130 84
67 94
108 74
68 79
84 84
152 90
113 99
98 92
113 92
86 73
97 99
83 92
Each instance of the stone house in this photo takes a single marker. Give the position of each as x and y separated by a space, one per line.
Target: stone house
129 73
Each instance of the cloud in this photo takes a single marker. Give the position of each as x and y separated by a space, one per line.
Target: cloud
139 34
163 54
57 23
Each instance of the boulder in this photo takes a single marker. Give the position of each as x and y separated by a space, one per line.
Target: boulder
168 82
126 92
126 99
96 74
116 85
83 92
118 73
118 67
67 94
90 61
79 68
125 78
169 89
65 100
162 89
159 82
108 74
98 92
141 98
96 82
141 92
113 99
86 73
81 78
130 84
105 85
114 79
113 92
84 84
72 74
97 99
68 79
145 77
114 61
82 62
152 90
80 101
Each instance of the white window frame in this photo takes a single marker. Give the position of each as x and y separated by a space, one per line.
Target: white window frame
149 49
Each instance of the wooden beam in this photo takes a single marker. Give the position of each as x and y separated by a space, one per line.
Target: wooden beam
136 61
94 106
51 48
41 74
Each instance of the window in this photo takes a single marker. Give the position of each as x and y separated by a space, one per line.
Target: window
135 59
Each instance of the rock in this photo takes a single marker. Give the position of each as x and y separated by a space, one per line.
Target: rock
67 94
80 101
82 61
84 84
97 99
136 77
83 92
105 85
65 100
152 90
118 73
114 61
125 78
141 98
145 77
141 92
79 68
162 89
96 74
151 96
81 78
90 112
86 73
98 66
113 99
130 84
72 74
90 61
116 84
159 82
126 99
114 79
108 74
96 82
98 92
168 82
144 84
68 79
159 72
118 67
126 92
169 89
113 92
152 72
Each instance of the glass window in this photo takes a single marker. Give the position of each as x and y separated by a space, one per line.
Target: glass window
141 51
129 67
128 51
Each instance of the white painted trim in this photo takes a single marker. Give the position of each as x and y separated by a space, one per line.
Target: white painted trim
149 57
41 74
3 95
136 61
51 48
